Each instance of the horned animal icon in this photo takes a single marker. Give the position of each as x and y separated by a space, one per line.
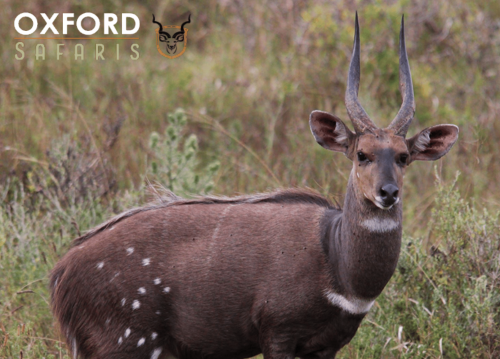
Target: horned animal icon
171 40
287 273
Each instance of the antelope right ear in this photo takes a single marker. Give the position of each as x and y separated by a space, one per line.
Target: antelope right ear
432 143
330 132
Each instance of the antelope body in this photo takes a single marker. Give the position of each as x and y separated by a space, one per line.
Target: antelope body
284 273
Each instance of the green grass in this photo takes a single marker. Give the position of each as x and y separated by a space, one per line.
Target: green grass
75 147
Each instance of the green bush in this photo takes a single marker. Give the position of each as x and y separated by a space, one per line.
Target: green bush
175 164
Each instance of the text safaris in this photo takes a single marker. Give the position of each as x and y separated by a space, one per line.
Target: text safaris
78 52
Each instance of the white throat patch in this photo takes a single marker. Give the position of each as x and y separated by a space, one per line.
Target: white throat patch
353 306
380 225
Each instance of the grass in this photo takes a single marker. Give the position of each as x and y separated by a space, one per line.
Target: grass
75 147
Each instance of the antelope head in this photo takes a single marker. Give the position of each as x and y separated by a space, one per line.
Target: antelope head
380 155
172 40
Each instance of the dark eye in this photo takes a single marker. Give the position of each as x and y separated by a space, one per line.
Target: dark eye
362 157
403 159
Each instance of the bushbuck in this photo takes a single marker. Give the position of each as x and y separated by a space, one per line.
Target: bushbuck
286 273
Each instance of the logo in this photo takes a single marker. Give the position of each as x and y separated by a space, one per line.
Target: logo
87 25
171 40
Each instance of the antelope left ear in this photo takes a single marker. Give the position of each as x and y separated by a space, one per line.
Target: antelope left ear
432 143
330 132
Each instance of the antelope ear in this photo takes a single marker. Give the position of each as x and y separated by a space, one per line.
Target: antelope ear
330 132
432 143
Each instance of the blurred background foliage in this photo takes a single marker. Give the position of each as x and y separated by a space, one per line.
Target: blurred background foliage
79 139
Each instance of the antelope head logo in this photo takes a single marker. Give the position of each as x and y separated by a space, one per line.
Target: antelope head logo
171 40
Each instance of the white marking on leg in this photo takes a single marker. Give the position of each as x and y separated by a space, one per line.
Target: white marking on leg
120 340
142 290
100 265
136 304
123 301
380 225
166 289
353 305
127 332
156 353
130 250
75 349
146 261
141 341
157 281
154 335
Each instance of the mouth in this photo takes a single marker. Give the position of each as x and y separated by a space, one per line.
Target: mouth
379 202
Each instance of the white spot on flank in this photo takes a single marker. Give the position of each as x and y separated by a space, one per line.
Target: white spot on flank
380 225
123 301
116 275
157 281
357 174
120 340
130 250
142 290
166 289
158 312
154 335
108 320
141 341
112 228
127 332
136 304
353 305
100 265
156 353
146 261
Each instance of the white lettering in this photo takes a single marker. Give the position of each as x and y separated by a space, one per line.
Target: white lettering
50 24
110 21
93 17
18 28
124 24
67 22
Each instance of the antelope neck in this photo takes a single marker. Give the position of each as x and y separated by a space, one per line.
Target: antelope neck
363 244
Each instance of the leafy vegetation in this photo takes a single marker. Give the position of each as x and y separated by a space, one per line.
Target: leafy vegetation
79 140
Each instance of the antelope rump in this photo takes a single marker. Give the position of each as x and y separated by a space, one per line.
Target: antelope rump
286 274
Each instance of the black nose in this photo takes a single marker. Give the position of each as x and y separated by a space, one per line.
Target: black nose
389 194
